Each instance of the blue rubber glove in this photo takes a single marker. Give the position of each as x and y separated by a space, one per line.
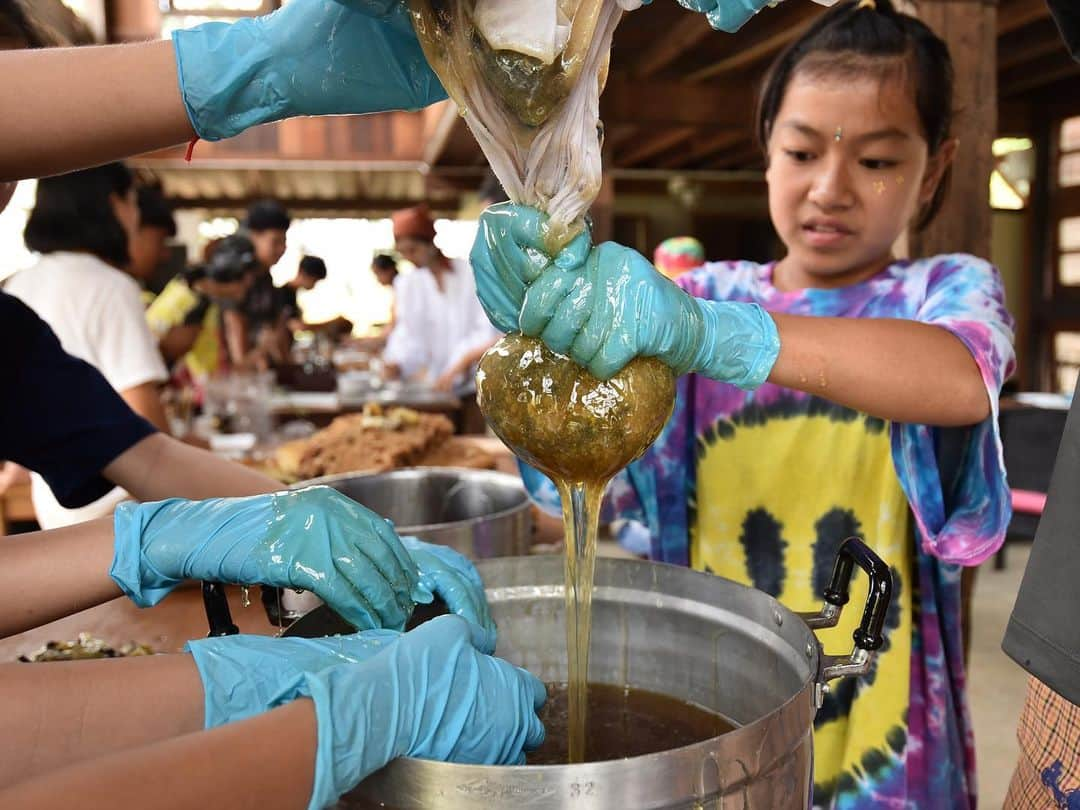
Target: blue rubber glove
615 306
311 57
314 539
509 254
727 15
431 693
246 675
454 578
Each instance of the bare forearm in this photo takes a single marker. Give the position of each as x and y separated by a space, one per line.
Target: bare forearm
898 370
145 400
257 764
47 575
161 467
59 714
113 102
178 341
236 338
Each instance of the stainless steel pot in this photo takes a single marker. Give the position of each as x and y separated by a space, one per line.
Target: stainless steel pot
480 513
683 633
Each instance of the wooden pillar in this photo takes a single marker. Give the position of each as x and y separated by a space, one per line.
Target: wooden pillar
602 211
970 29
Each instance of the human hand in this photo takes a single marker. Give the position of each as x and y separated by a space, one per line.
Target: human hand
727 15
618 307
245 675
314 539
454 579
607 305
509 253
433 695
445 382
311 57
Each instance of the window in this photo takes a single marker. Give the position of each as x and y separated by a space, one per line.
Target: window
1014 165
1067 360
1069 146
177 14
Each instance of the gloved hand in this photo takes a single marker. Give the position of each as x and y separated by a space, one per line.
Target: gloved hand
311 57
431 693
454 578
314 539
246 675
615 306
510 253
727 15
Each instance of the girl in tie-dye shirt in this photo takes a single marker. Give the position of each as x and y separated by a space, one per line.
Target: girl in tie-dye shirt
879 415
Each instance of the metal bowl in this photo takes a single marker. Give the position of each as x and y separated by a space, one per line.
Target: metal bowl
480 513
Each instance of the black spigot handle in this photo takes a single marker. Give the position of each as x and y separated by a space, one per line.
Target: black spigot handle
869 635
218 615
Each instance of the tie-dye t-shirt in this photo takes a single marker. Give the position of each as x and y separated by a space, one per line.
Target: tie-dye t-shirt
761 487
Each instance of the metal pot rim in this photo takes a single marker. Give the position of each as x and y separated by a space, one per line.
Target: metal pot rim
412 472
814 656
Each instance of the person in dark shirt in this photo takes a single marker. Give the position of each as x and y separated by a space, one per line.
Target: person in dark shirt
310 272
137 732
1043 634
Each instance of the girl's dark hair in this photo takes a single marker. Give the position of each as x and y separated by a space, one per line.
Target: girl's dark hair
314 267
230 258
382 261
847 40
73 212
267 215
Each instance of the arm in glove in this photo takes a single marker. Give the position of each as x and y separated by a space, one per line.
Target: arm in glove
311 57
727 15
431 693
612 307
314 539
453 578
509 253
246 675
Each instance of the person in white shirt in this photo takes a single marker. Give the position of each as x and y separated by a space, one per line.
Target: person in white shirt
81 225
440 330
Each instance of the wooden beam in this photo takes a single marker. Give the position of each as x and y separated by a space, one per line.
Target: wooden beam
704 148
680 38
1039 73
439 135
753 49
1026 46
1016 14
654 145
963 224
742 158
616 136
671 104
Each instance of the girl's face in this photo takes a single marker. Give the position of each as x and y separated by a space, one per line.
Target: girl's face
417 251
269 246
848 171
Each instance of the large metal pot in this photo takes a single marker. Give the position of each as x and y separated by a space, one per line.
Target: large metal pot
480 513
683 633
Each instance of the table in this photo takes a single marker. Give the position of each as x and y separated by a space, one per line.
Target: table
321 407
167 627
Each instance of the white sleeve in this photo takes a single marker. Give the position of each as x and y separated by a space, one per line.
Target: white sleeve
405 347
127 352
479 330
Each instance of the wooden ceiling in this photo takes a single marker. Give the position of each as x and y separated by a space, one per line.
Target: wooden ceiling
681 96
